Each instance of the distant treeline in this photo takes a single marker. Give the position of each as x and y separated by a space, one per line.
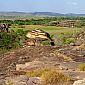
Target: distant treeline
43 21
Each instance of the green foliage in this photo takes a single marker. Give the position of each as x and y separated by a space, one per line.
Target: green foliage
7 40
82 67
41 21
64 38
60 35
12 39
47 42
69 40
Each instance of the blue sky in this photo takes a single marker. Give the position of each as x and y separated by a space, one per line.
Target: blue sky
58 6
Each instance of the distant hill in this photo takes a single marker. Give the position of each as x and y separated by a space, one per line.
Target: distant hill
47 14
14 14
37 14
56 14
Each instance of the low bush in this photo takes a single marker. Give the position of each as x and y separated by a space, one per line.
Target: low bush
12 40
47 42
64 38
69 40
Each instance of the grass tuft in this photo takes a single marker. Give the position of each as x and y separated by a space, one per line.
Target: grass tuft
82 67
49 76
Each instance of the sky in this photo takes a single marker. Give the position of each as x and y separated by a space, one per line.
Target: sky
58 6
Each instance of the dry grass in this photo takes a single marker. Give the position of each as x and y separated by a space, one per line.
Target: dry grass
37 73
82 67
66 58
54 77
49 75
10 83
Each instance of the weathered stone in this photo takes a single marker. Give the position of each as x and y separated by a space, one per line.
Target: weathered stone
34 81
2 82
20 66
79 82
23 80
19 80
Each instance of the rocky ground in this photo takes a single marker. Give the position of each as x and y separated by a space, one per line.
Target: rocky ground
33 57
15 64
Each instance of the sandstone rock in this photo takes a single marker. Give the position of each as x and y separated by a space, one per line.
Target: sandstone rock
20 67
79 82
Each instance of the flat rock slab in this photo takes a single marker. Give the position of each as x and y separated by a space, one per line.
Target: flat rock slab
23 80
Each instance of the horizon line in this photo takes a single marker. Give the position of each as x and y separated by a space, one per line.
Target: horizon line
41 12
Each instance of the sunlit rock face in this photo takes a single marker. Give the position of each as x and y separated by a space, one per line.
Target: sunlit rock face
79 82
39 35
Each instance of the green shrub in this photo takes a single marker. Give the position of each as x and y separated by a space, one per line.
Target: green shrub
12 39
47 42
82 67
64 38
69 40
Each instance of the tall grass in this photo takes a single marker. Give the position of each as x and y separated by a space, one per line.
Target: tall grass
52 29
